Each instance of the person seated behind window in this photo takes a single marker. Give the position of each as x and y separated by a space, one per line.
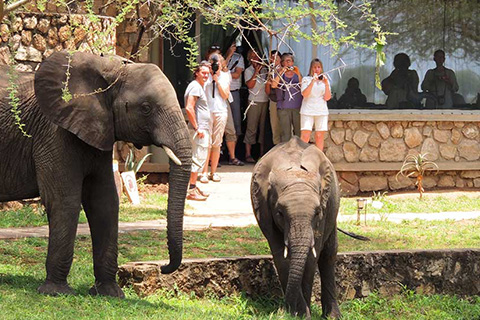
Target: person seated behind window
440 83
401 85
353 96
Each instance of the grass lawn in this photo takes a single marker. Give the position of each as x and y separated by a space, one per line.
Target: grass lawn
22 271
154 207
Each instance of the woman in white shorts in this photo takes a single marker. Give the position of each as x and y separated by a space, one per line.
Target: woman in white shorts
314 110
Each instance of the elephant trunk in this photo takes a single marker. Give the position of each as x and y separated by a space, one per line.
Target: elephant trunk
300 247
178 183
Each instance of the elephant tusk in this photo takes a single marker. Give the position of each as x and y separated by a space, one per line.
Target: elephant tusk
314 253
172 155
285 252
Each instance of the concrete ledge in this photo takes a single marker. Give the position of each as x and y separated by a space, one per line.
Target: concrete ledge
404 115
358 274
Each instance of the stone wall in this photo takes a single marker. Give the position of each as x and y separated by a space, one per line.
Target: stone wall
30 37
358 274
368 154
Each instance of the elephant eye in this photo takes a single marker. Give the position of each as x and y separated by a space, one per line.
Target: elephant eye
146 108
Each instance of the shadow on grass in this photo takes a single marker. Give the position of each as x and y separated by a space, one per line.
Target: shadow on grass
29 283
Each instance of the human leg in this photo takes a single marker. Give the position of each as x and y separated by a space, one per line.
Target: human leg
285 124
295 116
306 124
321 126
275 123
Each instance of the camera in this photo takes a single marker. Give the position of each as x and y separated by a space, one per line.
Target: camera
215 65
290 68
318 76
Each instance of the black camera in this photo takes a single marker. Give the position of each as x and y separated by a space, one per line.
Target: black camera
215 65
319 77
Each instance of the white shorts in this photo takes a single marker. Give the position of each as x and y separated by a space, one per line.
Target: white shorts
307 122
199 149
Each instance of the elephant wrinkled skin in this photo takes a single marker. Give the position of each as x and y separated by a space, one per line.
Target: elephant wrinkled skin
68 159
295 199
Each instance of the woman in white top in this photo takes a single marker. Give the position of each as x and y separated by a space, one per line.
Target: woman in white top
217 90
314 110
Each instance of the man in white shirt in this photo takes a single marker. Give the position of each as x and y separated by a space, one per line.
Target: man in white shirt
255 79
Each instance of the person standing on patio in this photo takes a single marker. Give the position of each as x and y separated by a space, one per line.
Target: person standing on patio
289 97
199 126
275 66
236 65
314 110
255 79
217 89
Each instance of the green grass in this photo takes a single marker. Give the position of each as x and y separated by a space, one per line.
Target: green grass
22 271
153 207
415 205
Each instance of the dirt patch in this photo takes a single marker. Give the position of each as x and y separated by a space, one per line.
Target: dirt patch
153 188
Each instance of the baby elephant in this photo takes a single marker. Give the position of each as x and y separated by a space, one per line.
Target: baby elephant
295 198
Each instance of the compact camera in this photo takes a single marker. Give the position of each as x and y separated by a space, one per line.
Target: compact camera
290 68
318 77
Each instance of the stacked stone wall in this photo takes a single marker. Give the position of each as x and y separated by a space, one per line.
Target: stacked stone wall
28 38
357 274
389 142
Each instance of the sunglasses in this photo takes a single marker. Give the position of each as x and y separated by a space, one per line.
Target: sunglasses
215 47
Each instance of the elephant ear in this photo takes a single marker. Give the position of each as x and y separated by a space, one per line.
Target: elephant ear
313 160
85 113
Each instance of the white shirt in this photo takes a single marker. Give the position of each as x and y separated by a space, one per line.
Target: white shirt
217 104
236 61
314 104
257 93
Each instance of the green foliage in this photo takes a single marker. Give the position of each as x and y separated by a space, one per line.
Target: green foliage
131 164
14 100
415 165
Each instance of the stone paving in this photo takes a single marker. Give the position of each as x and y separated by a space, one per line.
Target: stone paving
228 206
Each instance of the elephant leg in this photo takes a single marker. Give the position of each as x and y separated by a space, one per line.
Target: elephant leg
326 265
100 202
277 248
62 214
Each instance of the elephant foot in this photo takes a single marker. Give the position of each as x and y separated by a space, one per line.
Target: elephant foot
54 289
111 289
333 312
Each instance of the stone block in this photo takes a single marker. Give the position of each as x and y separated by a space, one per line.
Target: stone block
351 152
446 182
413 137
64 33
447 151
5 55
368 125
469 149
52 37
430 146
338 124
353 125
350 177
476 183
470 131
28 54
30 22
368 154
429 182
26 37
348 189
427 131
375 140
470 174
456 136
360 138
459 182
445 125
43 25
337 135
373 183
39 42
383 130
393 150
441 135
397 131
4 32
397 182
348 135
334 153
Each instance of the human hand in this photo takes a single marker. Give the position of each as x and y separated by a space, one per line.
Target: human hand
200 133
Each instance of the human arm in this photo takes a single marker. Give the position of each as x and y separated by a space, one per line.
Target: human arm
190 109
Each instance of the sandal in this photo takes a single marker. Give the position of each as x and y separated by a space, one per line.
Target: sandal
235 162
249 159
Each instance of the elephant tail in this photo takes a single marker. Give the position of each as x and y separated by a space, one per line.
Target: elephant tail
354 235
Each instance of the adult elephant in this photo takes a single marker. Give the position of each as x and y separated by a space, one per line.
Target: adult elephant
295 198
68 158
